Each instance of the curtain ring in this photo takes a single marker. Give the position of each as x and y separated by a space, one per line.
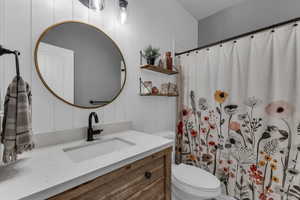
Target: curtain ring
207 49
221 45
234 41
272 31
252 36
295 25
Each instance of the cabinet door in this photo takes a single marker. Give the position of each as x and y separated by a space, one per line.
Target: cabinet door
147 179
154 191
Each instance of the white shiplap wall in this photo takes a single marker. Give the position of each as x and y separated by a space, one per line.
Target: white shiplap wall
161 23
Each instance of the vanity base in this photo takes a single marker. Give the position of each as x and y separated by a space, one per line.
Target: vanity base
146 179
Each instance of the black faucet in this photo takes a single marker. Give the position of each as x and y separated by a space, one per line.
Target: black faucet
90 131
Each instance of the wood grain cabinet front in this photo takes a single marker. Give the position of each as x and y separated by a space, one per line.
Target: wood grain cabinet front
146 179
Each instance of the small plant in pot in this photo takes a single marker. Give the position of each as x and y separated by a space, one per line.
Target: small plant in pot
151 54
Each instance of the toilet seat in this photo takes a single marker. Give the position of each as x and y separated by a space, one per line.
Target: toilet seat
195 181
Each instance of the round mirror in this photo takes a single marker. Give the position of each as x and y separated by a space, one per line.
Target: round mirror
79 64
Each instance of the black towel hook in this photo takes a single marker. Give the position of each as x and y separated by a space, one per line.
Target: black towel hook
4 51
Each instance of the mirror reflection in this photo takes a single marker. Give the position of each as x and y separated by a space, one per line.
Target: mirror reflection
80 64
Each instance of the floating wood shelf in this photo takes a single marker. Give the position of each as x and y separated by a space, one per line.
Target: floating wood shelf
159 69
158 95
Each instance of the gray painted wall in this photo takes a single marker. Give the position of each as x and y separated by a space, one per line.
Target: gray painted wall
97 61
244 17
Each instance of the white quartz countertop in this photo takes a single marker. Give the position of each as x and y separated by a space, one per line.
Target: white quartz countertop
48 171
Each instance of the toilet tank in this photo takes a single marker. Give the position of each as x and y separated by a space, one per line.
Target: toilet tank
167 134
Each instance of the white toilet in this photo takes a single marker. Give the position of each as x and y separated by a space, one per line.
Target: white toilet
191 183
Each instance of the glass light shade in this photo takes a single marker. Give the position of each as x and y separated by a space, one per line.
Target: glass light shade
96 5
123 15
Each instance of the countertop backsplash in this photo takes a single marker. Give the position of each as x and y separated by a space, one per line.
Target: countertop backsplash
61 137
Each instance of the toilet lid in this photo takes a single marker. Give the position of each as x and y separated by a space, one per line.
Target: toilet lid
195 177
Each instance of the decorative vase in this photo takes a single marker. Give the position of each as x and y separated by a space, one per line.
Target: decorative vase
160 64
173 90
169 61
155 90
147 89
164 88
151 61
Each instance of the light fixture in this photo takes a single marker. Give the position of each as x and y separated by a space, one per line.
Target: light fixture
96 5
123 11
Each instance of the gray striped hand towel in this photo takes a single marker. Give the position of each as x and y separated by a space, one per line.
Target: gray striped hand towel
16 133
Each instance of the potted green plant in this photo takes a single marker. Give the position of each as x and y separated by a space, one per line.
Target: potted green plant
151 54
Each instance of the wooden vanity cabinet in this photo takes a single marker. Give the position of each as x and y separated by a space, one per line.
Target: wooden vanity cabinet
146 179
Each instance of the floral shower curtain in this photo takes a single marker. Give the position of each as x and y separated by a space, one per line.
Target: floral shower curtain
240 115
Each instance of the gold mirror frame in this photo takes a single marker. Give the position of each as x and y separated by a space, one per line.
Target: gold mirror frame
47 86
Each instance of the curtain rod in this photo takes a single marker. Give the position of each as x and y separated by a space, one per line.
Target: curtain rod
240 36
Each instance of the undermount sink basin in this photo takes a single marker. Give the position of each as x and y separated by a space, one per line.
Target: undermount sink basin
95 149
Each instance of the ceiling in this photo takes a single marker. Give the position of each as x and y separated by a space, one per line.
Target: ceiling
204 8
